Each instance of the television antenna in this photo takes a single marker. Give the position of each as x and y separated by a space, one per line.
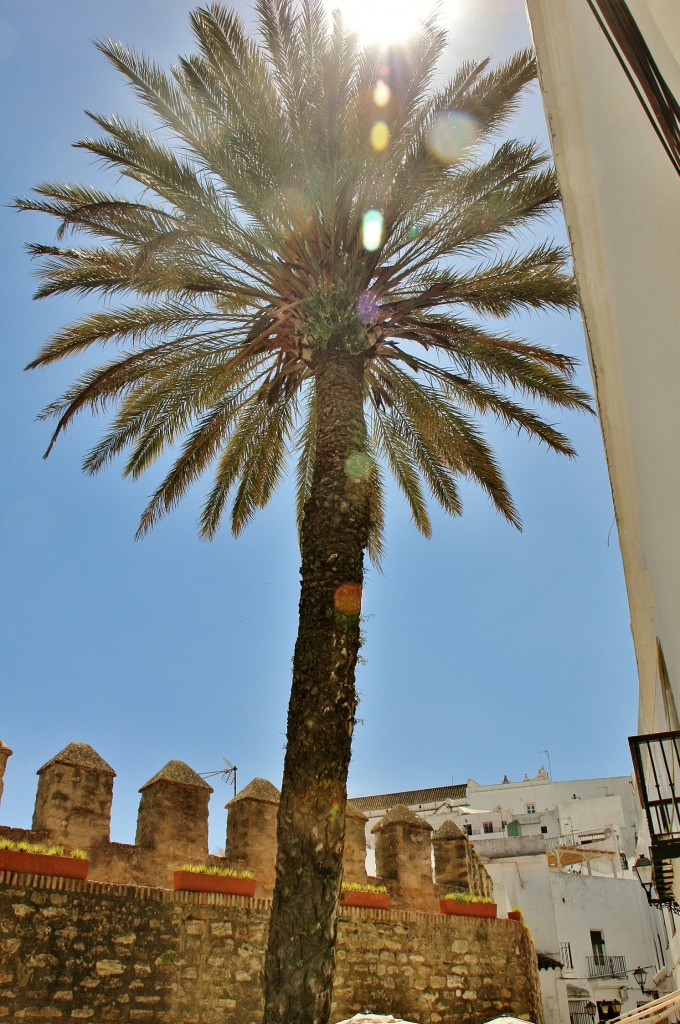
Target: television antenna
547 754
228 773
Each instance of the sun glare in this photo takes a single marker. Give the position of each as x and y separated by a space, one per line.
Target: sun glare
381 22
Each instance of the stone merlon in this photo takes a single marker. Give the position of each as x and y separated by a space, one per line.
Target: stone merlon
179 773
449 830
79 755
258 789
401 815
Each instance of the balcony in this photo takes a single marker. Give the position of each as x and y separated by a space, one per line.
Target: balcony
602 966
656 760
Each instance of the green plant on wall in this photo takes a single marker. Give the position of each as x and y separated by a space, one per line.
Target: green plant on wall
466 897
48 851
362 887
213 869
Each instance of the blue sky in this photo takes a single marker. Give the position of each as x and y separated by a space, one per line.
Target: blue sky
484 646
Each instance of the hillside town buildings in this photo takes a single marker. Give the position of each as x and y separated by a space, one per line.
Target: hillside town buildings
561 852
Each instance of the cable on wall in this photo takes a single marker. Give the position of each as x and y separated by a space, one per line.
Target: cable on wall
626 40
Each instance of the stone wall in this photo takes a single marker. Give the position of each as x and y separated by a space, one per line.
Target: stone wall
5 753
73 808
125 947
99 952
457 865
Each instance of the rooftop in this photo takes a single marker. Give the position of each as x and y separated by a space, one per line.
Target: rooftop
384 801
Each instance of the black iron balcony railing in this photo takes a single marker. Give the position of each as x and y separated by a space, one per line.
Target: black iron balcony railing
656 760
603 966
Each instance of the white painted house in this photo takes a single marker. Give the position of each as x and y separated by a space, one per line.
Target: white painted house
611 101
560 851
621 198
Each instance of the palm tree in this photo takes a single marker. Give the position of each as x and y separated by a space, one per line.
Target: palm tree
295 281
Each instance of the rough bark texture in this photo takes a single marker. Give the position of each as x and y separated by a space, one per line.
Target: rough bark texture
299 964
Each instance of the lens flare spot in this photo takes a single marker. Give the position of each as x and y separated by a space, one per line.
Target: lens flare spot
296 205
380 136
372 230
368 307
381 93
334 810
357 466
384 23
348 599
450 134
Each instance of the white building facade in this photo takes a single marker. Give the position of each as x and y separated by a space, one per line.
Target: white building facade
619 170
561 853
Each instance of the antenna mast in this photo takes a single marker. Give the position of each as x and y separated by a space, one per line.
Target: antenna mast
228 773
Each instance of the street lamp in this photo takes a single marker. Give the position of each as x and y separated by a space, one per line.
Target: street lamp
590 1009
640 975
643 869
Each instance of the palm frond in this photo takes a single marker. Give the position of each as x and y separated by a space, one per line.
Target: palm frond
241 257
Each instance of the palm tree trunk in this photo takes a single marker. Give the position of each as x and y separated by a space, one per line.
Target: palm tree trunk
300 958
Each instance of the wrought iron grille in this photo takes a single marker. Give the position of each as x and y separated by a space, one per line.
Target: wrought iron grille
600 965
565 956
656 760
578 1013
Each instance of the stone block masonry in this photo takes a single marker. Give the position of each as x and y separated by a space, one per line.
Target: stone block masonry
99 952
126 948
73 808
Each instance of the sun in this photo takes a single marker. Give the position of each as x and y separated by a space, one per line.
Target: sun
381 22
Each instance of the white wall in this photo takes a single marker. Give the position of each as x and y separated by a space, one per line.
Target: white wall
589 815
597 803
614 906
622 206
545 794
563 907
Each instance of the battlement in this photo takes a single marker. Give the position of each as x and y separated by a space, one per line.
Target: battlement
126 943
73 808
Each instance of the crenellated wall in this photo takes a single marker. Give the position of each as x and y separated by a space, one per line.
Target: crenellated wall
125 947
73 808
5 752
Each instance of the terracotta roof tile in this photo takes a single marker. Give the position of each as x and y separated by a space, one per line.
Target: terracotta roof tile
409 797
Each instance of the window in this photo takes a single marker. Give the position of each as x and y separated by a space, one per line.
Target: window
565 955
599 951
488 827
578 1013
468 828
531 808
544 830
